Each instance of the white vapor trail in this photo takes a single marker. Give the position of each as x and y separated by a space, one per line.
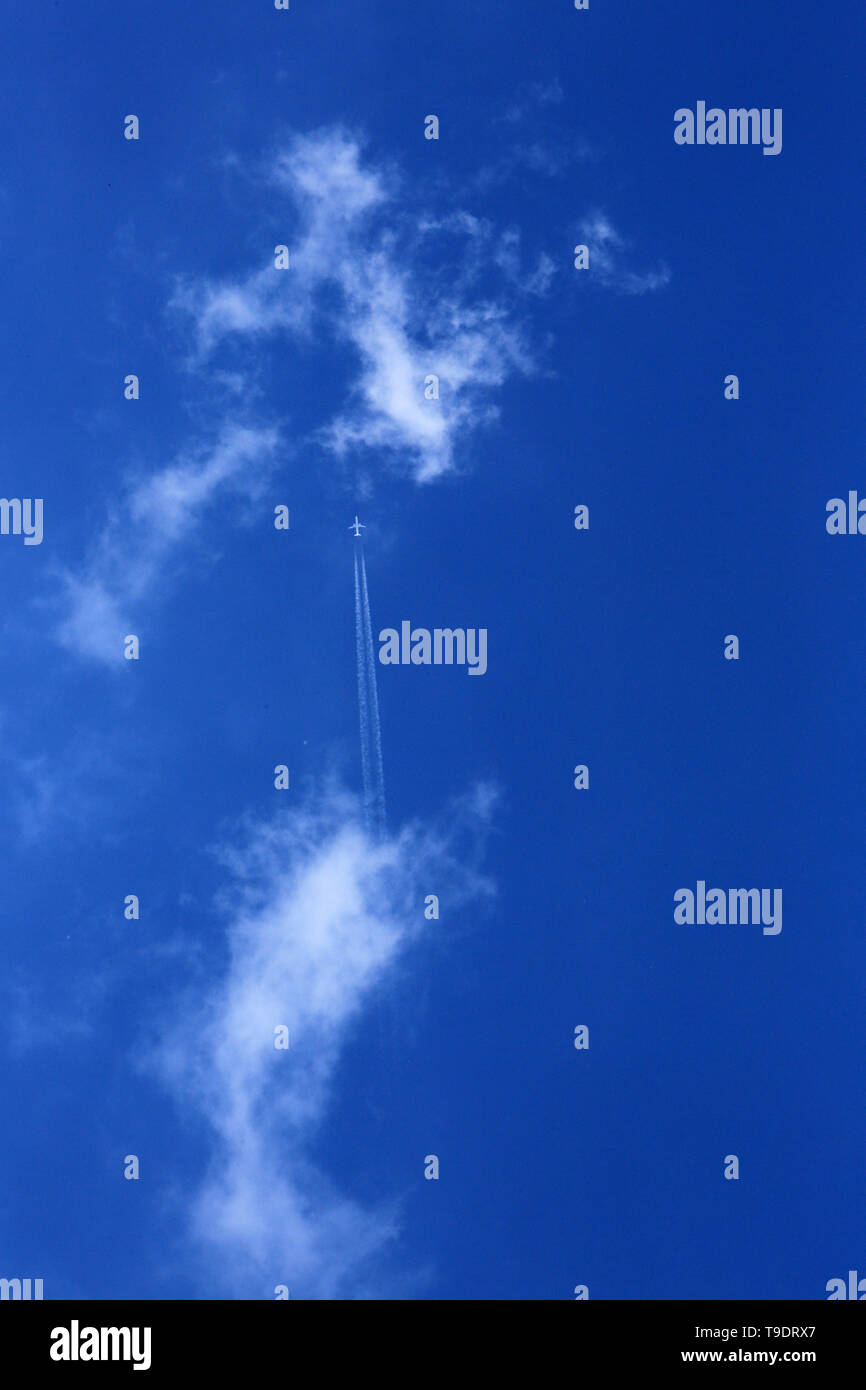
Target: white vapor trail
363 703
368 703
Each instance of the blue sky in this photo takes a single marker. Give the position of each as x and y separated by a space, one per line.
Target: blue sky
305 388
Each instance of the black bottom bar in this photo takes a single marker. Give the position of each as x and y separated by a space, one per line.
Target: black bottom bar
70 1339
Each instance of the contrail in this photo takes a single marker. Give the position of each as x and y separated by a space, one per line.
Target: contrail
373 698
371 765
363 704
368 703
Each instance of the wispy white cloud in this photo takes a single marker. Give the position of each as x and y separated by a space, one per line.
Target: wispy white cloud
530 97
35 1017
148 531
354 271
607 248
532 138
57 795
317 917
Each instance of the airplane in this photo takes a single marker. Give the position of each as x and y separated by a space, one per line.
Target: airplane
356 526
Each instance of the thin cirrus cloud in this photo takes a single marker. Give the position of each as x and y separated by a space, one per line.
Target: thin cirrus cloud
607 249
361 268
530 97
536 140
356 268
320 915
317 917
104 599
